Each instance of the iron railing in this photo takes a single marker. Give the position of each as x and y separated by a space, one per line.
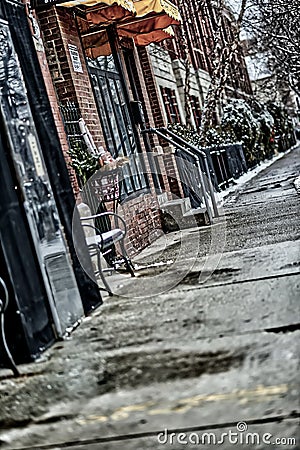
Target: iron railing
199 185
227 162
221 164
71 115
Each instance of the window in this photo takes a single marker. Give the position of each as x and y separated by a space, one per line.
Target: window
196 110
170 105
116 121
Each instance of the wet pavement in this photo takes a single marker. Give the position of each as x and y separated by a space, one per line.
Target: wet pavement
206 336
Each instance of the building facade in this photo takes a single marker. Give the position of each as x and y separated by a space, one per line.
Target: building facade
120 66
101 72
193 45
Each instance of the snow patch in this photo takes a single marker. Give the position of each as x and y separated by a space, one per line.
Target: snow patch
297 184
222 196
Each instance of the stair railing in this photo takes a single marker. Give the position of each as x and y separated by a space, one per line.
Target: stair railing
191 150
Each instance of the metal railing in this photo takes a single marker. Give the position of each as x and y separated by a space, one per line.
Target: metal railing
199 158
227 162
71 115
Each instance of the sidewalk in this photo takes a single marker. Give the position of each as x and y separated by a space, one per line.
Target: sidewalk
204 336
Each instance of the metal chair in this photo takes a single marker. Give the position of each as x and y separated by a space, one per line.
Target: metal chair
102 243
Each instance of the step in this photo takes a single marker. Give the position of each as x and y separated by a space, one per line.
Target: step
198 215
191 219
176 207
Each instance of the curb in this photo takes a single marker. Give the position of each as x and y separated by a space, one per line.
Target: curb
240 182
297 184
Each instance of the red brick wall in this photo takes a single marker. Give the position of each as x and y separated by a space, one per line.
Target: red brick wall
59 29
54 106
143 219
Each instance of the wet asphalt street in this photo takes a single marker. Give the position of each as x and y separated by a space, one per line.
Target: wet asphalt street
205 337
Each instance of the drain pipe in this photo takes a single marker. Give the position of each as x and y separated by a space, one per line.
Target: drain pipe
3 306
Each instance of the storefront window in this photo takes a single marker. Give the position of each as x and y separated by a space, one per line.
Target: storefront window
115 120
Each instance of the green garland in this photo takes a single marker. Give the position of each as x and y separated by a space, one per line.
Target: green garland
84 163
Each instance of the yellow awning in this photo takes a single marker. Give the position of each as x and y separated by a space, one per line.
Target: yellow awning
138 8
144 21
150 15
146 7
126 4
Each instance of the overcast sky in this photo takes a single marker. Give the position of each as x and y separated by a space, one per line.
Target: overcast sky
234 5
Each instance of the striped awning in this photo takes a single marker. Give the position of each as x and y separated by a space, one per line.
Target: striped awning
138 8
150 7
145 21
126 4
141 11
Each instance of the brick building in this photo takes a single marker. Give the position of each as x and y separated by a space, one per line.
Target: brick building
104 62
94 59
193 43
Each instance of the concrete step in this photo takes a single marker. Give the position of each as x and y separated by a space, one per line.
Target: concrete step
198 215
176 207
178 215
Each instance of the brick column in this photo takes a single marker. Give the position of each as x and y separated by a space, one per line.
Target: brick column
149 90
59 30
40 49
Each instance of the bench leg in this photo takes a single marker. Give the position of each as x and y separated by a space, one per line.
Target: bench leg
128 263
102 275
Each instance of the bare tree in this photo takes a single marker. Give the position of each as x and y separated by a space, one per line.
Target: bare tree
273 27
222 56
220 51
